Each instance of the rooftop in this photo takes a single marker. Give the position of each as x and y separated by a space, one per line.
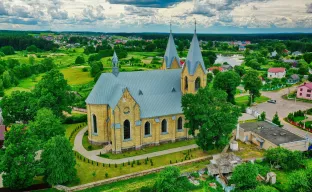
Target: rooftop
308 85
277 70
271 132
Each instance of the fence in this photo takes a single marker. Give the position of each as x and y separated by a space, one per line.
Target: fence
252 112
79 109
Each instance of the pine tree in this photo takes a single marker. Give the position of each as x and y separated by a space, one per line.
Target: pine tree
276 120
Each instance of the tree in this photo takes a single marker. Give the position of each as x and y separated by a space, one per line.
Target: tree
55 96
1 88
46 125
253 84
239 70
31 60
262 116
18 162
16 107
307 57
227 81
32 48
276 120
59 161
48 64
7 50
254 64
215 71
80 60
96 68
263 188
245 176
298 181
169 180
201 114
6 79
209 77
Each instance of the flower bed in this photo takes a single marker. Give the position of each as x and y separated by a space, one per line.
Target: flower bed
300 126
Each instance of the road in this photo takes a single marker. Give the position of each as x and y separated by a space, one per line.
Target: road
283 108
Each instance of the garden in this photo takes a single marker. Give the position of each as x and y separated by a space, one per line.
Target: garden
300 120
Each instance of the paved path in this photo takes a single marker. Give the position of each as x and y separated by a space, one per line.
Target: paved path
93 155
283 108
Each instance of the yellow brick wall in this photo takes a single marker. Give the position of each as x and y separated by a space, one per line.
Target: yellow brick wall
174 65
199 72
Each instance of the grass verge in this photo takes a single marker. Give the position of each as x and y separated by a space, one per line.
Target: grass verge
243 100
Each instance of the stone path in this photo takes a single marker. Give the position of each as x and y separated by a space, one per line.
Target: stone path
93 155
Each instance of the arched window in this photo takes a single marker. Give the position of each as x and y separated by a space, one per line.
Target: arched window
185 83
164 126
127 129
94 124
197 83
180 123
147 128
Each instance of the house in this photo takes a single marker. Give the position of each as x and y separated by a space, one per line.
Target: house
296 53
305 91
268 135
210 69
131 110
276 72
285 51
227 67
293 79
292 62
274 54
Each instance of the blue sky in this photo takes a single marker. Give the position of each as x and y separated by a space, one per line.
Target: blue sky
212 16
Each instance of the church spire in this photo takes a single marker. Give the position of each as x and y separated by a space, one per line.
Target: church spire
115 64
171 52
194 57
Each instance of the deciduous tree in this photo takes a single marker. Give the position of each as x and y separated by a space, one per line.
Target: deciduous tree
253 84
245 176
227 81
58 161
209 112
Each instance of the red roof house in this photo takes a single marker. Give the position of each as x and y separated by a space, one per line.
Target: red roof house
276 70
210 69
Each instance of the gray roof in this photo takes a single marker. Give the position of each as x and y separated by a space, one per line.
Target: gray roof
171 52
271 132
295 77
194 57
115 59
157 97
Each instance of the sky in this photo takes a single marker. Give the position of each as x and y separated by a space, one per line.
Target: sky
212 16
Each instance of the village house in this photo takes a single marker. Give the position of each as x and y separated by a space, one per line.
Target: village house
227 67
305 91
210 69
130 110
274 54
296 53
294 78
268 135
279 73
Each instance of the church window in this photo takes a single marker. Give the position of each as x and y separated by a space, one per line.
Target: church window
94 124
164 126
180 123
197 83
185 83
127 129
147 128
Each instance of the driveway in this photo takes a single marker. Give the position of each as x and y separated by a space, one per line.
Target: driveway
283 108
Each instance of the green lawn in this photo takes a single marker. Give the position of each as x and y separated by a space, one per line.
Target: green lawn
149 149
24 85
69 128
75 75
87 145
90 173
244 100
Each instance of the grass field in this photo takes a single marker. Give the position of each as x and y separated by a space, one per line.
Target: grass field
90 173
149 149
244 100
69 128
86 144
75 75
24 85
249 151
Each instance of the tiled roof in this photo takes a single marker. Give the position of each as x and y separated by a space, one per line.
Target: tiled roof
157 98
277 70
218 68
194 57
171 52
308 85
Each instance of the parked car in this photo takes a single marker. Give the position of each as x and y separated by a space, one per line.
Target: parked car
272 101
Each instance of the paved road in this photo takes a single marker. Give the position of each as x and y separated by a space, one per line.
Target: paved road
283 107
93 155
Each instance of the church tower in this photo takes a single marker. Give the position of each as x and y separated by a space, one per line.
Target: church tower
171 58
115 64
193 74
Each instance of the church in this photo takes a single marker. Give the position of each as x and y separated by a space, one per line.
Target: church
130 110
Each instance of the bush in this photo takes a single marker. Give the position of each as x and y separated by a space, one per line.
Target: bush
263 169
243 108
195 174
89 147
85 69
75 119
80 60
245 176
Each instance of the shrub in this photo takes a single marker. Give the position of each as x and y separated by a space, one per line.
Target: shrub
85 69
89 147
195 174
106 175
245 176
75 119
243 108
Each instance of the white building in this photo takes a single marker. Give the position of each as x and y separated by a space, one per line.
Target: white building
279 73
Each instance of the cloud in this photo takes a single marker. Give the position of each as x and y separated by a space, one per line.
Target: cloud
92 13
139 11
309 8
203 10
24 21
147 3
3 10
